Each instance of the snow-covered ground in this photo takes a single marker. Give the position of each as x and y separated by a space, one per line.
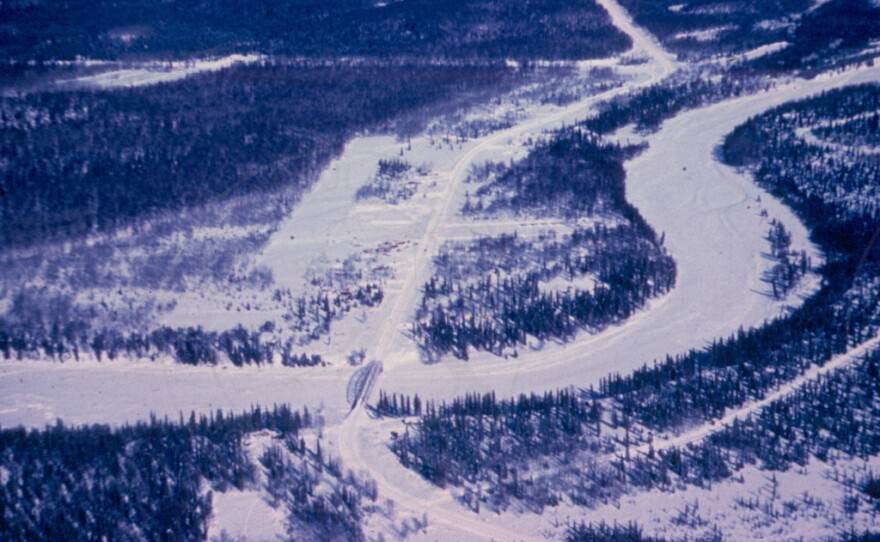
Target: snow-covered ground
36 393
158 72
757 52
803 503
327 227
708 34
714 221
245 513
809 136
714 225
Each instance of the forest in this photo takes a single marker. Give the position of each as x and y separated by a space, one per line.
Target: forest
68 340
572 175
832 34
450 29
155 480
498 451
492 293
603 532
76 162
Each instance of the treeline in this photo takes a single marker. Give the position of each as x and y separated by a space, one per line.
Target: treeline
392 405
75 162
69 340
140 482
602 532
543 29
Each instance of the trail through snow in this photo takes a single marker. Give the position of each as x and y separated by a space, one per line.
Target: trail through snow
153 73
699 433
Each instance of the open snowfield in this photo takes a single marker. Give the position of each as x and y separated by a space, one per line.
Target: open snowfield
713 218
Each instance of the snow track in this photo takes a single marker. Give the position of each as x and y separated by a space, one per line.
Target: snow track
360 437
153 73
699 433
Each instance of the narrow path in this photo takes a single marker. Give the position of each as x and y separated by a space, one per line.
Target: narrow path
741 413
